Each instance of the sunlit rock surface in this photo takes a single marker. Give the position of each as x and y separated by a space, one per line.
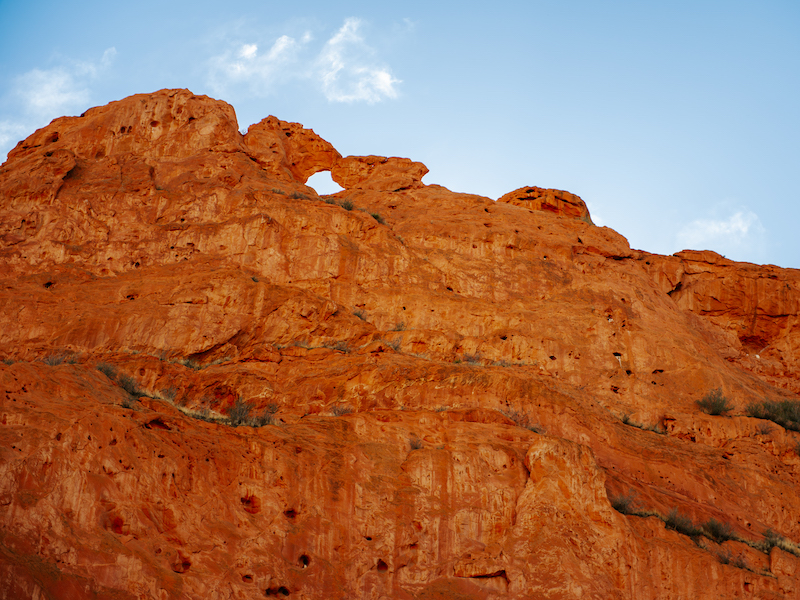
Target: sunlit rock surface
455 389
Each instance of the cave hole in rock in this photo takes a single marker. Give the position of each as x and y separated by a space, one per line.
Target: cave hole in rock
323 183
382 566
247 578
277 591
676 289
290 513
303 561
251 504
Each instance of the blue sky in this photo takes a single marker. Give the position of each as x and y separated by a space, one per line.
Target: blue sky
677 122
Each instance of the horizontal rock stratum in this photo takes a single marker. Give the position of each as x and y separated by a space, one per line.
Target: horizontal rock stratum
219 384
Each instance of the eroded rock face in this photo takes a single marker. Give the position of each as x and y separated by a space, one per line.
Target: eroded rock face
378 173
557 202
438 395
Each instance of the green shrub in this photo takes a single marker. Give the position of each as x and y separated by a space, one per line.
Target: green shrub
681 523
415 442
378 218
785 413
239 412
107 370
718 531
725 557
53 359
714 403
771 539
340 345
624 504
189 363
473 359
341 409
393 344
523 420
401 326
130 385
347 205
360 314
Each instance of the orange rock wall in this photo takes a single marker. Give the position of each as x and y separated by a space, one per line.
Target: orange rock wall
499 371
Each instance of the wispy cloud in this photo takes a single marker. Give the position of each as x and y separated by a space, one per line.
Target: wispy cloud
738 234
348 72
49 93
259 71
345 67
41 95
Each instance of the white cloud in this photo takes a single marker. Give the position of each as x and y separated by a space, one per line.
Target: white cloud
740 235
347 72
260 72
52 92
344 67
10 134
41 95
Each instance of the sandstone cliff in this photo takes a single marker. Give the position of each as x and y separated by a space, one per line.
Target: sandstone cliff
218 384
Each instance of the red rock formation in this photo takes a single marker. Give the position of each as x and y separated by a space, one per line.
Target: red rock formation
456 388
555 201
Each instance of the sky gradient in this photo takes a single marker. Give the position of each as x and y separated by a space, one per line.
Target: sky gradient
676 122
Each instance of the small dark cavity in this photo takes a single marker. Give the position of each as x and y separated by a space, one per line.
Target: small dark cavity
277 591
153 123
157 424
48 285
628 372
290 513
676 289
552 358
617 354
503 337
658 371
368 538
449 289
58 437
247 578
304 561
382 566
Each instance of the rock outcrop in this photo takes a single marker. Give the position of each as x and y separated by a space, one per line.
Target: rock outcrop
218 383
